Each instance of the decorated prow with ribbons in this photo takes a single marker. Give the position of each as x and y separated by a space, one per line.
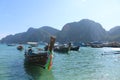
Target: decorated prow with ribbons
50 48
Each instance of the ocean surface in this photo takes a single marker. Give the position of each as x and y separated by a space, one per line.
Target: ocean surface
86 64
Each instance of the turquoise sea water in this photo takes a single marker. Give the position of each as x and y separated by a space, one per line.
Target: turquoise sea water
86 64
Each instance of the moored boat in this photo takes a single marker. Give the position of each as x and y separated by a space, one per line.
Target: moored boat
74 48
10 44
37 59
41 58
63 48
20 47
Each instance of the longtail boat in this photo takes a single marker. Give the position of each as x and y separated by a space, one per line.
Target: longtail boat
74 48
41 58
63 48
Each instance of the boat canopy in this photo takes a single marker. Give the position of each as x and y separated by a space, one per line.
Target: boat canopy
32 44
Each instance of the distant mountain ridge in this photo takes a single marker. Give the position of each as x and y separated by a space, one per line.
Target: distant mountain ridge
84 30
32 34
114 34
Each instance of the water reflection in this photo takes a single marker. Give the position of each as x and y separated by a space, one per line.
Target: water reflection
37 73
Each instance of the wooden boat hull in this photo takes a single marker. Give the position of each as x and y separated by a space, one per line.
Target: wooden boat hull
76 48
37 59
61 50
42 58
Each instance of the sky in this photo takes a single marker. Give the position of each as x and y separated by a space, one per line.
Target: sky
17 16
